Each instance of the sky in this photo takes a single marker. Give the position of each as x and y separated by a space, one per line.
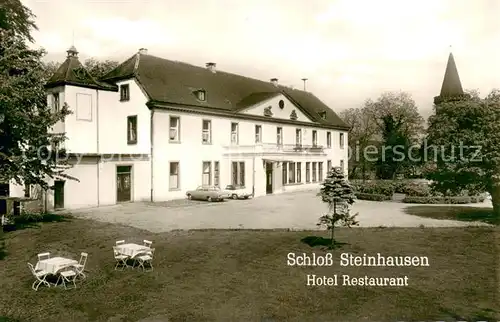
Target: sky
349 50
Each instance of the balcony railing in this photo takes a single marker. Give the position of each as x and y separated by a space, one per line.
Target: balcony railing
276 148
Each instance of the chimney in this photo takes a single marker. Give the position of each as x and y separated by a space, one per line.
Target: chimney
274 81
143 51
304 80
211 67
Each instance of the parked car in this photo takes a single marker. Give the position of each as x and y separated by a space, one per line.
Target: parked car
238 192
208 193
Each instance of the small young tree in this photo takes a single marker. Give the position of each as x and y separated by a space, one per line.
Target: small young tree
339 194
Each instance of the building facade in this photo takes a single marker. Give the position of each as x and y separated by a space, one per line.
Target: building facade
152 129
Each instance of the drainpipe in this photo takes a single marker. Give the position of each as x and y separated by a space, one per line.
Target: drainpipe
253 173
151 136
98 155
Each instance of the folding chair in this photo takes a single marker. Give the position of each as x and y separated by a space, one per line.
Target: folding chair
40 276
43 256
148 243
120 242
80 267
69 276
145 259
121 260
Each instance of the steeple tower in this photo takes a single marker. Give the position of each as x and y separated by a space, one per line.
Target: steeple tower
451 90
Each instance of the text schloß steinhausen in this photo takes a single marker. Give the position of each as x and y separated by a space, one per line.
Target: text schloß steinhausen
347 259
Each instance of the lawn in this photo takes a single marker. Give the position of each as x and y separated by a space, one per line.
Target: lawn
459 213
243 276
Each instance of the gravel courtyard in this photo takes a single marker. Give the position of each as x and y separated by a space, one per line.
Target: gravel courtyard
298 210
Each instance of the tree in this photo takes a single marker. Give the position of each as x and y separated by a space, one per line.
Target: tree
16 18
98 68
25 117
339 194
370 130
396 148
363 126
464 142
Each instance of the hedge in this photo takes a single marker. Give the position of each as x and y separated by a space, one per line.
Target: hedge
372 196
443 200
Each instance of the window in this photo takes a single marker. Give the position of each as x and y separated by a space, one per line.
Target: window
314 172
341 140
298 137
124 92
299 172
342 165
314 138
206 136
328 165
27 190
174 133
216 174
320 171
258 134
308 171
201 94
132 129
279 136
328 139
234 133
55 102
238 173
291 172
206 177
285 173
174 182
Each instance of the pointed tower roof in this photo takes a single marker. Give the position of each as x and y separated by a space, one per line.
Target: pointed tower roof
72 72
451 89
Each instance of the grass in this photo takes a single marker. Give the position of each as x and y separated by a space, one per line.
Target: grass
243 276
459 213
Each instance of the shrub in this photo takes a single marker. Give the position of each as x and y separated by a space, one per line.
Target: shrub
438 200
417 190
380 187
372 196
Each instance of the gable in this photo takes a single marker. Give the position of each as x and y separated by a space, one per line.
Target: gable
277 107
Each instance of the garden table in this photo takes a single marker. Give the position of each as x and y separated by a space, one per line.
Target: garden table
132 250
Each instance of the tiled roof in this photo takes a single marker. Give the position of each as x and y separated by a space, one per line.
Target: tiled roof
72 72
173 82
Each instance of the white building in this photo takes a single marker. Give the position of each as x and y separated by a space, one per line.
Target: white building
153 128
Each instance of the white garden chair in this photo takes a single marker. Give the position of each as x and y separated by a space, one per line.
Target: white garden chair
120 242
68 275
43 256
145 259
40 276
121 260
147 243
80 267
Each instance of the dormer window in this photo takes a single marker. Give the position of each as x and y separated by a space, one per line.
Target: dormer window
124 93
201 95
322 114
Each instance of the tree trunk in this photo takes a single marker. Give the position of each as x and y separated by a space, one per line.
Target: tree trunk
495 199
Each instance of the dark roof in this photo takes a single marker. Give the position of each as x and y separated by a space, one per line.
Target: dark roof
451 89
173 82
451 82
72 72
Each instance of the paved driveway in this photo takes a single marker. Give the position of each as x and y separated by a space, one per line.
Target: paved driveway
299 210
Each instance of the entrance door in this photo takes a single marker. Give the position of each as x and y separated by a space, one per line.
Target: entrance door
269 177
58 194
123 183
